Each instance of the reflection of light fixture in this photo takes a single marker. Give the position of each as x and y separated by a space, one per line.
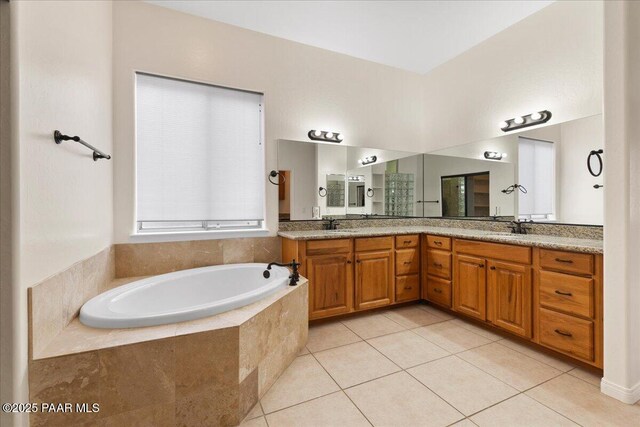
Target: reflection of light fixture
525 121
367 160
327 136
494 155
356 178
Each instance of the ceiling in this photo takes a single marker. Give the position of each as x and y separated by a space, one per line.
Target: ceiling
411 35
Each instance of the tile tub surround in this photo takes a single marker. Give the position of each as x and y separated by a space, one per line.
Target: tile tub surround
209 371
544 241
148 259
594 232
56 301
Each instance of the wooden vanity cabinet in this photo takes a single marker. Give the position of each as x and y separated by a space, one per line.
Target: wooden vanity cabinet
437 270
470 286
568 308
374 272
407 265
493 283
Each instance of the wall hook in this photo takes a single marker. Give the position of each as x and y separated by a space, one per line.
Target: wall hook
320 192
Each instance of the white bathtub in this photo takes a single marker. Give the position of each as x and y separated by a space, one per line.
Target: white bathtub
182 295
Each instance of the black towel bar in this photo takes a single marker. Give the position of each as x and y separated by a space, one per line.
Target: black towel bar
58 137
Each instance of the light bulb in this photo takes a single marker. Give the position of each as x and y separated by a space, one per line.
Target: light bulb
503 125
317 133
504 155
328 135
360 161
339 137
518 120
536 116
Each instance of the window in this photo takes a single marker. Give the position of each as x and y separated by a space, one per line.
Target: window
536 172
199 156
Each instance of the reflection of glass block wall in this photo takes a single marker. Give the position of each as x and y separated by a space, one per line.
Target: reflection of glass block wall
335 194
399 189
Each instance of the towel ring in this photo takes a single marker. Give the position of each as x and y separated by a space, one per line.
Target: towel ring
370 192
596 153
273 174
320 190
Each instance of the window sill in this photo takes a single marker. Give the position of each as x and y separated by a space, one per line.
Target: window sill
174 236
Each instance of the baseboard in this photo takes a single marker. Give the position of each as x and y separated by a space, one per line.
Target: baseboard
623 394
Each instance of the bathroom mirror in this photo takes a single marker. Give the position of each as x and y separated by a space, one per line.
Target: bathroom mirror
339 181
538 175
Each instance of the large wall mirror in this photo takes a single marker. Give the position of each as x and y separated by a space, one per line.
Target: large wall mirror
538 175
322 180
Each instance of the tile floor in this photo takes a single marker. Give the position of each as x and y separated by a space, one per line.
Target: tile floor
419 366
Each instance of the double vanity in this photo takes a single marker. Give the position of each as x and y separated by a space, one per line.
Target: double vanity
544 289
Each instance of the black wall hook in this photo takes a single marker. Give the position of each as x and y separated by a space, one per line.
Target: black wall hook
58 137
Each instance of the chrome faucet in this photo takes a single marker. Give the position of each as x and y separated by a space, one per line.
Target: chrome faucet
518 227
295 276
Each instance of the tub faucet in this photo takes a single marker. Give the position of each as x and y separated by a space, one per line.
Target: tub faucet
295 276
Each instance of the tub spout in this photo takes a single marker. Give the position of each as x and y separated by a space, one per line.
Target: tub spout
295 276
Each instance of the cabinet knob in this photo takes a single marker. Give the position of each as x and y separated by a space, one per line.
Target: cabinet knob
348 261
481 265
358 261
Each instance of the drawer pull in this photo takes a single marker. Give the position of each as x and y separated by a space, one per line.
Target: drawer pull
436 264
437 290
563 333
406 242
408 288
566 294
481 265
493 267
566 261
407 262
437 242
348 261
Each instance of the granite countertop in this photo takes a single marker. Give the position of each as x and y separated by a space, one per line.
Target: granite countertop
538 240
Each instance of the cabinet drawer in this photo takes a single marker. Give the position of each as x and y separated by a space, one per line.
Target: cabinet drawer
563 292
407 288
439 263
438 291
570 262
438 242
408 241
374 243
497 251
328 247
407 261
567 334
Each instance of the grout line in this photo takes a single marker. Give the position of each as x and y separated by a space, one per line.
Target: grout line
506 339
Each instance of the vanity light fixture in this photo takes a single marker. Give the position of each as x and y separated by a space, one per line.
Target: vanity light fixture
368 160
525 121
494 155
356 178
326 136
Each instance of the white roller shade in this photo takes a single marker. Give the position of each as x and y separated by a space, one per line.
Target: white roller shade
536 171
200 155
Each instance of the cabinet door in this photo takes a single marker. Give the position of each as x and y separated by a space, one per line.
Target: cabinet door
510 297
374 279
470 286
330 285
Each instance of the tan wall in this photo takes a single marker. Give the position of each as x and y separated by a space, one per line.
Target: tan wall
61 76
550 60
305 88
